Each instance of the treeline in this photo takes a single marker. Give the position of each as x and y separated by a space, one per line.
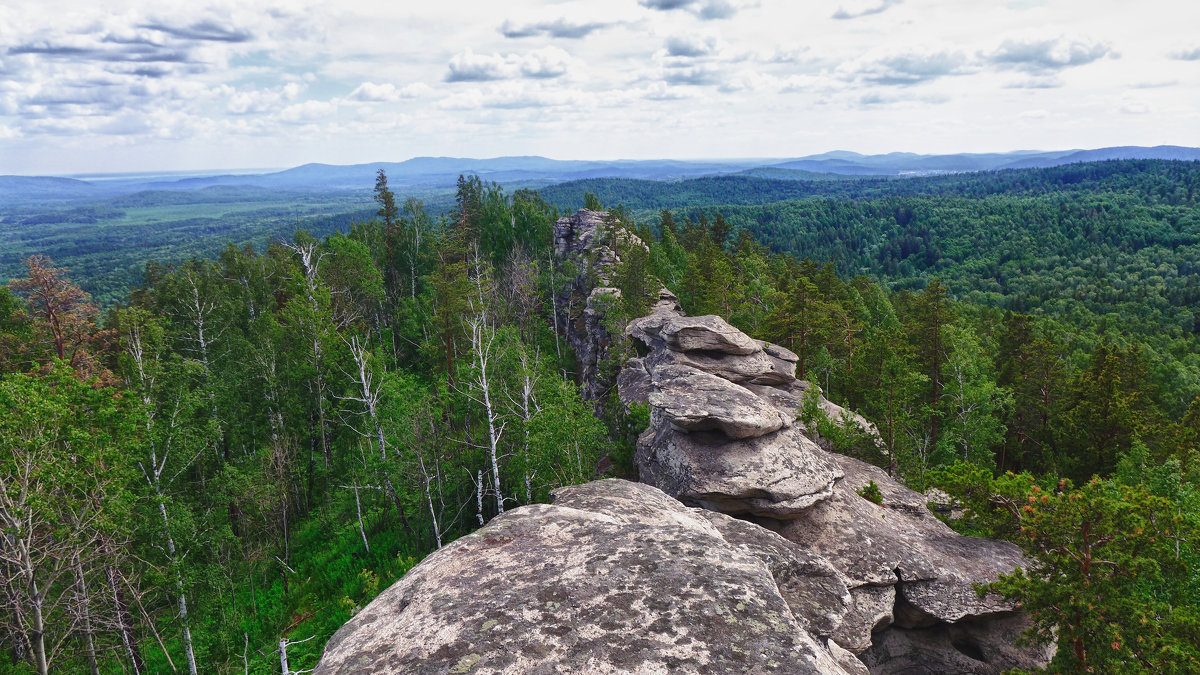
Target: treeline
1109 250
1147 181
222 469
106 244
1078 455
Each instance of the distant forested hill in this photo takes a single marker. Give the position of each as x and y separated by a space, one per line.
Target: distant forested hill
1108 248
1151 180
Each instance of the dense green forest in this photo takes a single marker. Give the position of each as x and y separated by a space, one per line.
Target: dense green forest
249 447
1110 250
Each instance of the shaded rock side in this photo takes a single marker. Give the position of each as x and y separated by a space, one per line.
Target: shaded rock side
903 543
581 245
614 577
778 475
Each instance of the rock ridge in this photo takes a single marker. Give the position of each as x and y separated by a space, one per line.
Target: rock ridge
745 548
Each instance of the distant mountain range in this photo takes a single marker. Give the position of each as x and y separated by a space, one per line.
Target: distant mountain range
442 172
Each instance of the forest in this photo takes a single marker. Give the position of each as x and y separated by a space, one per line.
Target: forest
215 472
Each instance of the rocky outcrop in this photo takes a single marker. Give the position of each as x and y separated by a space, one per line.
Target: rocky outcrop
692 400
745 549
583 246
714 445
613 577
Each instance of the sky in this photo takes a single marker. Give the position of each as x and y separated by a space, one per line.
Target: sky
128 85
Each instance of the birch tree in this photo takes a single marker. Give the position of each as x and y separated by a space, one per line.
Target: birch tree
366 395
171 447
63 472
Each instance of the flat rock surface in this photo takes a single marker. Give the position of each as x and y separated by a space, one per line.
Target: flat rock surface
615 577
705 333
814 590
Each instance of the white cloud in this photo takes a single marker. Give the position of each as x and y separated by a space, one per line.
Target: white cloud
691 45
308 112
134 84
860 8
512 96
262 100
907 66
545 63
557 28
706 10
369 92
1048 55
1134 105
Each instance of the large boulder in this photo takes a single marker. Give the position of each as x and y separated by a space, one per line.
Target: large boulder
778 475
935 568
812 587
691 333
693 400
614 577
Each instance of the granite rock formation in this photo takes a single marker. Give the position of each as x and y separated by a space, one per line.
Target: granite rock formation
613 577
716 446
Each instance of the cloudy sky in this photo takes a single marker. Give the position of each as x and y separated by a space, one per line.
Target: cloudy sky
163 85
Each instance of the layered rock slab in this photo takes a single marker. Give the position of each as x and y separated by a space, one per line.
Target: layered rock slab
693 400
614 577
902 543
911 578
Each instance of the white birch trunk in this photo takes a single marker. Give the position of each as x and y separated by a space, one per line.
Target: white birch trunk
85 616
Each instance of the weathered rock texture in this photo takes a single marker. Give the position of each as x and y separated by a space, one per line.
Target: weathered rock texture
613 577
749 551
714 443
583 249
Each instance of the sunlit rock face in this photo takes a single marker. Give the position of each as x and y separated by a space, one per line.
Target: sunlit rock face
613 577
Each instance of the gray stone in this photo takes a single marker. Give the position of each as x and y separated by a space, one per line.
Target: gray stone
692 400
783 364
669 328
902 542
871 610
847 660
978 647
779 475
615 577
814 590
738 368
634 383
577 233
